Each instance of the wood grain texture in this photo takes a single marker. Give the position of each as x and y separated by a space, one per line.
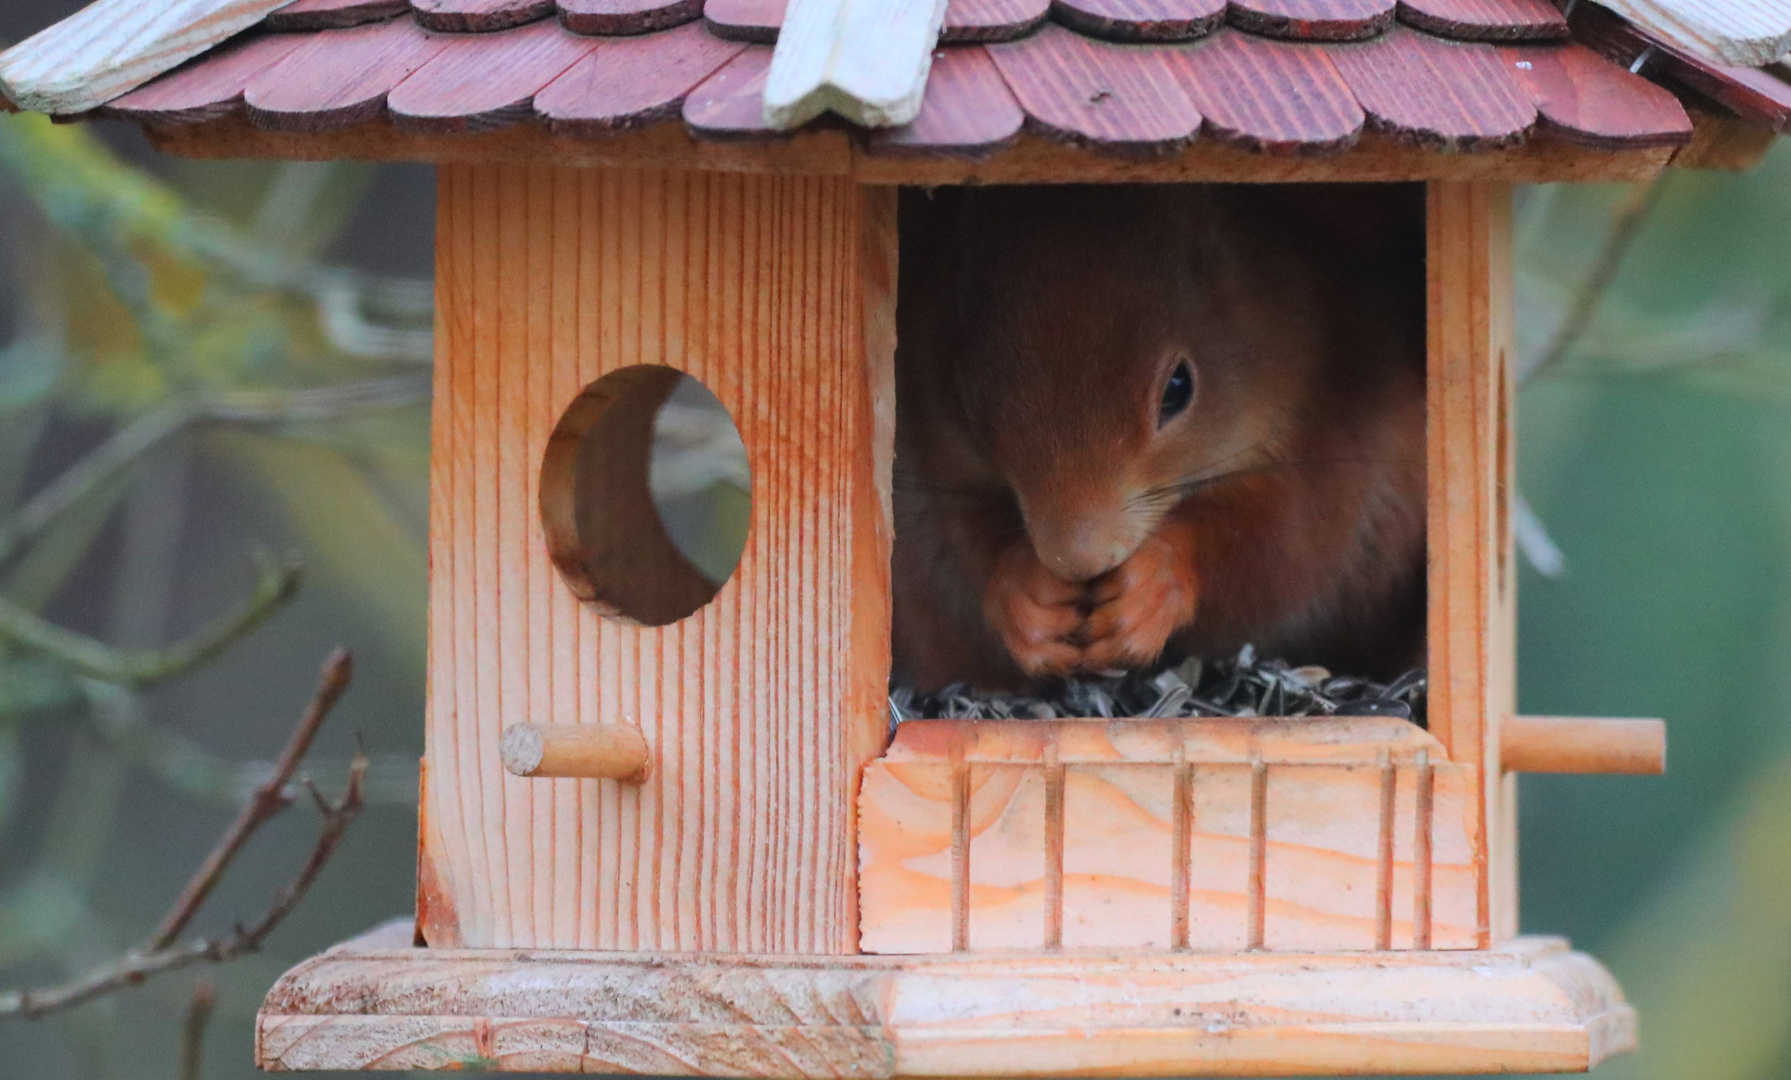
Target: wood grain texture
113 46
1116 99
754 21
864 60
624 17
603 532
760 708
338 78
1282 828
1569 744
1427 92
1029 159
730 104
1724 141
1473 633
1141 20
758 21
479 82
992 20
968 110
1529 1006
625 84
208 87
333 14
1739 33
1588 99
1759 95
584 751
1313 20
478 16
1270 97
1486 20
1753 94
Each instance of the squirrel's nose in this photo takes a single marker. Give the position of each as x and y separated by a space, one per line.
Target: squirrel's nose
1080 550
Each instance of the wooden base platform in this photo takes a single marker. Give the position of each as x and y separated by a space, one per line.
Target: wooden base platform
1532 1005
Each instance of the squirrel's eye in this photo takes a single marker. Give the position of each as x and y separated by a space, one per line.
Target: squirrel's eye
1178 393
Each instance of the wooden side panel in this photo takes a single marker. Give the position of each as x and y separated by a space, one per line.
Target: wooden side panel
1285 853
1472 610
762 707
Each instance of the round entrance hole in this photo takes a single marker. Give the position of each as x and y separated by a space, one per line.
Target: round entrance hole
645 495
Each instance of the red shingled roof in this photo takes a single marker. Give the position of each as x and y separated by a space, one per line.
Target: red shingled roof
1136 77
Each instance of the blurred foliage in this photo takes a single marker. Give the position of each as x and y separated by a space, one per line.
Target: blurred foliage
154 349
699 479
1657 454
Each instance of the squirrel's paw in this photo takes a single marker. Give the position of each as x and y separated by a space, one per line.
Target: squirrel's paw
1036 614
1139 604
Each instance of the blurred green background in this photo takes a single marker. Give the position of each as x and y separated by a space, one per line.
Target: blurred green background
293 301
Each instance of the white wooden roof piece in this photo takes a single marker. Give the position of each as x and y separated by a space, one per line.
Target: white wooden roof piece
1745 33
866 60
112 46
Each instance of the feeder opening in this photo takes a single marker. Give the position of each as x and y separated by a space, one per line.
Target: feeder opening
646 495
1161 452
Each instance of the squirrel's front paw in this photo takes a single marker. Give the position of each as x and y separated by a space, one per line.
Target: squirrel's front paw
1139 604
1037 614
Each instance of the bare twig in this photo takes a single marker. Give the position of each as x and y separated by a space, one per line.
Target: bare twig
95 659
192 1035
163 953
1626 223
267 802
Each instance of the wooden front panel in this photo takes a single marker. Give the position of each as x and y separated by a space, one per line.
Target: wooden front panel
1214 835
775 292
1473 682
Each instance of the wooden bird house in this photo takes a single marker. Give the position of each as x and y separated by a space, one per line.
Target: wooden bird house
670 832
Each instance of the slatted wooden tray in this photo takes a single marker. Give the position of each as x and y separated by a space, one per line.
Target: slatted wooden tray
1219 834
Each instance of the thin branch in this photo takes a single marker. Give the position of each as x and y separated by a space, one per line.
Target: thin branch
1626 224
337 817
179 762
267 802
132 442
135 967
192 1034
163 953
316 403
95 659
1539 548
125 448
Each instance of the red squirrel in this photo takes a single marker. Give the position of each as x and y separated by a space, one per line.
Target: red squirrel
1144 420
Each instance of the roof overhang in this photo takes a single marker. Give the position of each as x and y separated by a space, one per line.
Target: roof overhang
1014 91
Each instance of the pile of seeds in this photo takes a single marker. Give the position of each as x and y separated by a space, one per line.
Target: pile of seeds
1242 686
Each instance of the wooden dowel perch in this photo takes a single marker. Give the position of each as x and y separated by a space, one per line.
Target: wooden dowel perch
1563 744
591 751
